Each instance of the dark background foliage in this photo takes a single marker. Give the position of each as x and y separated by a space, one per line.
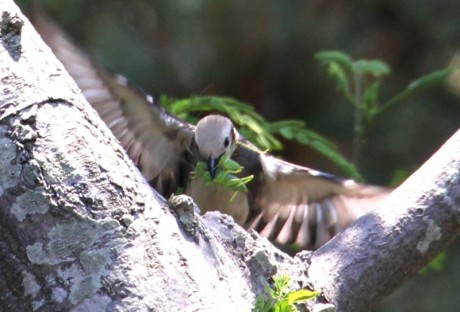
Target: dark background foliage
262 52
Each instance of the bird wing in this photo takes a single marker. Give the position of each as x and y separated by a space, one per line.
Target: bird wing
155 140
305 207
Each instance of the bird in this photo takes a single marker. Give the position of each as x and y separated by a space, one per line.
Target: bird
286 203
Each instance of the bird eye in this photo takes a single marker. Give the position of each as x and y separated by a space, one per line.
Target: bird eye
226 142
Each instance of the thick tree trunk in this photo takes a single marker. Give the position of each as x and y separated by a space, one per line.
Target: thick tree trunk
80 229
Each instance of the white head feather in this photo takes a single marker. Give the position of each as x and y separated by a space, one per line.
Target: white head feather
214 136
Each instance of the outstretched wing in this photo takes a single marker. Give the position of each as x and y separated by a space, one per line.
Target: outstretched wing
155 140
302 206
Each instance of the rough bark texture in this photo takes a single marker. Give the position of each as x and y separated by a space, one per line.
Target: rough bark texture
80 230
381 250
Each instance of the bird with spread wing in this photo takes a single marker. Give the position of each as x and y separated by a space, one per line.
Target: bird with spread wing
286 203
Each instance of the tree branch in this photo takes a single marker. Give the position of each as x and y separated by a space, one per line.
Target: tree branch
381 250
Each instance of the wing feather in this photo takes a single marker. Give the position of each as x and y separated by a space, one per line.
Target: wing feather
306 207
155 140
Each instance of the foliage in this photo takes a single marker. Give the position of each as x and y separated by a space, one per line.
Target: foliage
280 298
360 82
225 175
352 75
256 128
437 264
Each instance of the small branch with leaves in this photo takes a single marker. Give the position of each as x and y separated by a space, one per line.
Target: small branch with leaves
360 82
280 299
226 174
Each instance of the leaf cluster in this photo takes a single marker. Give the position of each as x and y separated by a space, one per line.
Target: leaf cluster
360 82
262 133
280 299
226 174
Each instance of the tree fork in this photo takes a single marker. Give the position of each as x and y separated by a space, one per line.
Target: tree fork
81 230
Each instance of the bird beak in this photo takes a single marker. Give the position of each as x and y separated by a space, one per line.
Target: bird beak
212 166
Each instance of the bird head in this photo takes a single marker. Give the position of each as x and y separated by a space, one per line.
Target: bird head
214 137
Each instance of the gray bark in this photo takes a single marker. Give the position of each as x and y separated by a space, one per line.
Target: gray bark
381 250
80 230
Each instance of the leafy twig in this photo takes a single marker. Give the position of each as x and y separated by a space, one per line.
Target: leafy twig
280 298
364 78
226 174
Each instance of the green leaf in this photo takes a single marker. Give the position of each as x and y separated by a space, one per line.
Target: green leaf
370 99
429 80
340 68
301 295
201 167
263 304
265 142
287 133
341 58
281 283
327 149
286 128
315 136
228 164
376 68
288 123
225 174
283 306
437 264
341 77
280 299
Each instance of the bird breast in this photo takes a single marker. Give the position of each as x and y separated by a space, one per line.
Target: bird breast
216 197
